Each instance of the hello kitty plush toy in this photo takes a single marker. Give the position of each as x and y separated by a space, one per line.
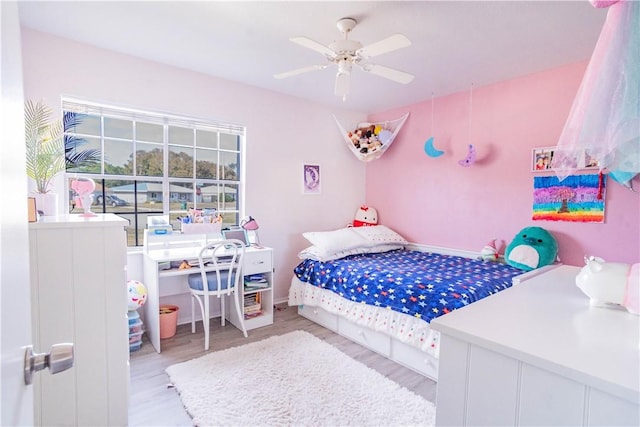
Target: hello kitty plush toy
365 216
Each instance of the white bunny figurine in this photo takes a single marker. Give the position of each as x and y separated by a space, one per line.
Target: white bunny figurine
610 283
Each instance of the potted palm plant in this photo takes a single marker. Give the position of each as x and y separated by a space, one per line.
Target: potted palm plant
50 150
45 158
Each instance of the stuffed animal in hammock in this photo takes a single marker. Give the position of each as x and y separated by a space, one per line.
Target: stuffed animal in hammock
365 216
531 248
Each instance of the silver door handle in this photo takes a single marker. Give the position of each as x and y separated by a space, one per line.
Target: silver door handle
59 359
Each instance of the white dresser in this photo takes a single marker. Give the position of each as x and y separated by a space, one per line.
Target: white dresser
538 354
79 293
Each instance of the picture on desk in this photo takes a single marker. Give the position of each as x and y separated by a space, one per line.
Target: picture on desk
238 234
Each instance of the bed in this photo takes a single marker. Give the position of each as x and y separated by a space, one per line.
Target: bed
372 286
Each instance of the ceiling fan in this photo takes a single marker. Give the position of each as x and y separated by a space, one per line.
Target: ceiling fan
346 53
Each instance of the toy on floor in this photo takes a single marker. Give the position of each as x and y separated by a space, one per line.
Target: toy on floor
607 283
137 296
531 248
365 216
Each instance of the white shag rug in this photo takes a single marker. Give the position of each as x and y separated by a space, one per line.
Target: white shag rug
294 379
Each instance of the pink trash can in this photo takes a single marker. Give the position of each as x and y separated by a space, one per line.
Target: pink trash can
168 320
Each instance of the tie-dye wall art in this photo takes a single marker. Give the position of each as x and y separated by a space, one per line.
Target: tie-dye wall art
578 198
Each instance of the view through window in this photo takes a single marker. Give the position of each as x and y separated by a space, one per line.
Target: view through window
146 163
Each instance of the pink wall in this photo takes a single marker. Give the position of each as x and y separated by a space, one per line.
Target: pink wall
436 201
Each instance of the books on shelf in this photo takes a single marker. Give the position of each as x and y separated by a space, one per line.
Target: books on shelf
254 282
252 303
252 306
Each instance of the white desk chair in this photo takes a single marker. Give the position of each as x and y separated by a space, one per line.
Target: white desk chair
226 279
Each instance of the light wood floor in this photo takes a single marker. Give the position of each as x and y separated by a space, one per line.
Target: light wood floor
153 403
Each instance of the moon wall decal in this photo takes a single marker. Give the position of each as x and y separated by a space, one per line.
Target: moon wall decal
430 150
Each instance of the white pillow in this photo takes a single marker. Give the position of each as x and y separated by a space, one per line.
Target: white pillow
380 235
313 253
330 242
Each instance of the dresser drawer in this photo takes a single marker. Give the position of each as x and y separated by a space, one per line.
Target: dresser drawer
257 262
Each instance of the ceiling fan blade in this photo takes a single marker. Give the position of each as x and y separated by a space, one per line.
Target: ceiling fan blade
342 84
388 73
396 41
313 45
299 71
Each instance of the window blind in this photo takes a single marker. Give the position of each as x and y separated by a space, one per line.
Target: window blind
83 107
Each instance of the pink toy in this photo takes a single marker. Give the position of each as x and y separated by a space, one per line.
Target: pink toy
611 283
470 159
84 188
490 251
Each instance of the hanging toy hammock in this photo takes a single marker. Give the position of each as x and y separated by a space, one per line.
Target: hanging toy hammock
369 141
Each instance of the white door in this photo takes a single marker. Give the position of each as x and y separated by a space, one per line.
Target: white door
16 403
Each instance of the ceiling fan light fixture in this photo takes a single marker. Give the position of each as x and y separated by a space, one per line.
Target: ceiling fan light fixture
344 66
345 53
342 85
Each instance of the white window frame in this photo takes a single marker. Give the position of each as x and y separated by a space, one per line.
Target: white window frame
166 120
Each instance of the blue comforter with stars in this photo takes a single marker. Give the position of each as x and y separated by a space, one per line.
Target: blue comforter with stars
421 284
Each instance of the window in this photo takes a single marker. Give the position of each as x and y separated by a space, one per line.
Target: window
153 164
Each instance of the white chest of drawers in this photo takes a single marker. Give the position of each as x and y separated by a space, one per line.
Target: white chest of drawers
538 354
79 295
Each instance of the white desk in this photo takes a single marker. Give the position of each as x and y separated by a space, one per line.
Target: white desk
256 260
539 354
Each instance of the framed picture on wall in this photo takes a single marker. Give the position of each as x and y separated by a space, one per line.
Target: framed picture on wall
541 159
590 161
311 179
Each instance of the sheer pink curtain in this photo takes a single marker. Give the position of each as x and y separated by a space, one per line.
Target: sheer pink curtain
604 122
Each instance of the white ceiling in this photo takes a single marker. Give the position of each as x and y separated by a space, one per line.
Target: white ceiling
455 44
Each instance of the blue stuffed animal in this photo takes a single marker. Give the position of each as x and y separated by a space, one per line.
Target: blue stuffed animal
533 247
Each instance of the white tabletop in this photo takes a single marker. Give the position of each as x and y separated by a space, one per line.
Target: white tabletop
78 220
548 322
188 253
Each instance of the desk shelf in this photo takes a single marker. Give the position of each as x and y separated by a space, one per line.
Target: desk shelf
184 272
259 261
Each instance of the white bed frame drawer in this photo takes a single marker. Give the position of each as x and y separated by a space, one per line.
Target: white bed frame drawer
374 340
410 357
320 316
